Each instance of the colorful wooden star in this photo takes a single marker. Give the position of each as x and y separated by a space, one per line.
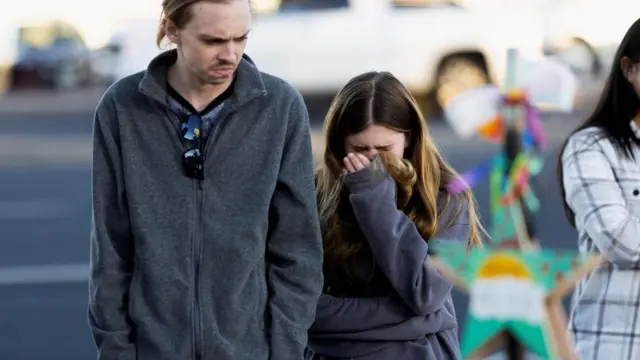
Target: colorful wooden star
516 291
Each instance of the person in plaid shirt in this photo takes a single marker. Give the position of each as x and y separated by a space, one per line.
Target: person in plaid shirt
599 174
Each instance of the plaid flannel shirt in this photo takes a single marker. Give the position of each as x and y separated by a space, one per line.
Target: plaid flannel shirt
603 190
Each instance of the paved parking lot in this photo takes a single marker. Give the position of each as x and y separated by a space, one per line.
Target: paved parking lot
48 102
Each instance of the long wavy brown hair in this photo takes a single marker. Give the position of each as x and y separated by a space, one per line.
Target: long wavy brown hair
379 98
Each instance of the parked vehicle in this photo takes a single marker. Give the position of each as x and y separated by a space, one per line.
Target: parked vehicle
51 54
586 33
583 34
438 48
8 53
134 46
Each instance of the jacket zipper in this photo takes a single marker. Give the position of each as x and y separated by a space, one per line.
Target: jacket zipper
197 259
197 248
198 237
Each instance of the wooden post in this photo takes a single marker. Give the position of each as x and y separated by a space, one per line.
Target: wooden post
511 81
512 147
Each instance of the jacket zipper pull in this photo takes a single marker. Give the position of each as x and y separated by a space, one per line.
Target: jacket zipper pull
201 181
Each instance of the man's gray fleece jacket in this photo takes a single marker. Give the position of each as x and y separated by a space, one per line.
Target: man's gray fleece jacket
229 269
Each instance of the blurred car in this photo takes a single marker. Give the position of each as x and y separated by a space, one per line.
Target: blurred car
51 54
133 47
585 33
104 61
8 52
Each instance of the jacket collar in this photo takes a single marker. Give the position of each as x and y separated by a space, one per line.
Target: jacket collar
247 86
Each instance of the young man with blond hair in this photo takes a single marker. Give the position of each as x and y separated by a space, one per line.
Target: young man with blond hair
205 238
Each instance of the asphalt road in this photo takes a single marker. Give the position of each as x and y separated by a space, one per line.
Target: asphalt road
44 217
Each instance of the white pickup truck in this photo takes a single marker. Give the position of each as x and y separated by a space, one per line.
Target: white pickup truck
437 48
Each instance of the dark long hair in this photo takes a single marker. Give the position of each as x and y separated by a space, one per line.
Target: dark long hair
618 104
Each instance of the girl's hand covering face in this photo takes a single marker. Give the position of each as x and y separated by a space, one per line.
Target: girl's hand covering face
354 162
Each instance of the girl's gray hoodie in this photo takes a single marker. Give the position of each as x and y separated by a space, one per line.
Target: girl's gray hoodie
417 319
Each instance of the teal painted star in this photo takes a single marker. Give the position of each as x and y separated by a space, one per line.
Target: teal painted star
508 291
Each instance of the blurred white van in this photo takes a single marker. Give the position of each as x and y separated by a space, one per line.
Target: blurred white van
135 46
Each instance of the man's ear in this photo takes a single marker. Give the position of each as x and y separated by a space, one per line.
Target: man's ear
172 32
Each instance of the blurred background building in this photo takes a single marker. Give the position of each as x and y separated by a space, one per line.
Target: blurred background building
57 57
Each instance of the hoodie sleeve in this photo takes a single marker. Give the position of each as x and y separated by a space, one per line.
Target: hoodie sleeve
353 315
397 246
294 243
355 327
111 244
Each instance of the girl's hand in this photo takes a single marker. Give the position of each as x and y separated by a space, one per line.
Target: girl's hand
354 162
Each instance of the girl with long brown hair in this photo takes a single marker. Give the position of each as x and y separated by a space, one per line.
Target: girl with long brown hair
381 190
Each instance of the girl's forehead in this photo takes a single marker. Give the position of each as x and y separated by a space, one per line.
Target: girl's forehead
374 134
